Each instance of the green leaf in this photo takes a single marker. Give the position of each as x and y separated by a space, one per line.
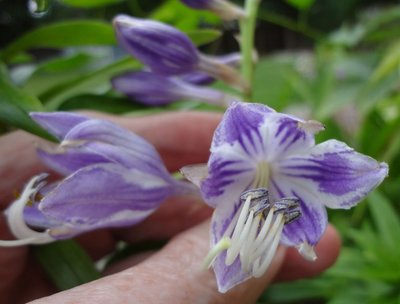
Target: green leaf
95 82
15 105
200 37
90 3
389 63
62 34
102 103
301 4
66 263
57 71
172 12
386 220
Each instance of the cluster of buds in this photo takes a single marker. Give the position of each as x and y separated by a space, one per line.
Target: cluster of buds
176 70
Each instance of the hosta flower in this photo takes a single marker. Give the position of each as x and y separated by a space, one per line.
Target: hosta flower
222 8
168 51
113 178
256 147
153 89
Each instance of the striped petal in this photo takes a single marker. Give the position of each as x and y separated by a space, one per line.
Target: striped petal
338 176
58 123
106 195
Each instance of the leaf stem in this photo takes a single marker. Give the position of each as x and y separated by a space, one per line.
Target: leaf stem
247 29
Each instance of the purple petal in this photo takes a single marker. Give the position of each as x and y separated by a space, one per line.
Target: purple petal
35 218
147 87
68 160
229 174
115 143
310 227
58 123
198 4
163 48
153 89
106 195
241 122
337 175
227 276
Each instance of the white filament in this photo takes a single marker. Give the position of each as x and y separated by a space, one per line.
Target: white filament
16 222
252 238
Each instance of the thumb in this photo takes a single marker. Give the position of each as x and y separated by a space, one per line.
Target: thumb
172 275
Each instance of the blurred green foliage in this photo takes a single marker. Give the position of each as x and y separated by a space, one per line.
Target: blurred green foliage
347 77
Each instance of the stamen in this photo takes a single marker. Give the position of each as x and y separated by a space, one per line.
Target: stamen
245 251
237 243
269 237
256 231
222 245
261 267
15 217
264 229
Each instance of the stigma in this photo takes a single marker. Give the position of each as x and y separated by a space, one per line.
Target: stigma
254 233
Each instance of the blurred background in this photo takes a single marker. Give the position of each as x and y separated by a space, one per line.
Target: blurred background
334 61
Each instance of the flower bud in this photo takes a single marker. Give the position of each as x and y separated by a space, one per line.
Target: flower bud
168 51
164 49
154 89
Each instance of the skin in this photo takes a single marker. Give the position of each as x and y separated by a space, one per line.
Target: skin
170 275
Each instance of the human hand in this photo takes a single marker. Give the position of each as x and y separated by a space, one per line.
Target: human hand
171 275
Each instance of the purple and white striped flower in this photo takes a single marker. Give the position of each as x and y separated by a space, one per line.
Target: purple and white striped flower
153 89
222 8
114 178
256 147
168 51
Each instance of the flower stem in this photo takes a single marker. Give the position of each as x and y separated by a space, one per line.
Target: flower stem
247 28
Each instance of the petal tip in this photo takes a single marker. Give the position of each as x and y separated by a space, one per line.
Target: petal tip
307 252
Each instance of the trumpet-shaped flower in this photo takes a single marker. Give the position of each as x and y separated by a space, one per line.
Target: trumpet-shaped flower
256 147
153 89
222 8
113 178
168 51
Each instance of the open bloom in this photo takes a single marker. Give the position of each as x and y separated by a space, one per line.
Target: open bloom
113 178
222 8
153 89
168 51
256 147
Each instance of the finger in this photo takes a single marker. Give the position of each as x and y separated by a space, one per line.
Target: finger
12 264
18 163
173 275
173 217
327 251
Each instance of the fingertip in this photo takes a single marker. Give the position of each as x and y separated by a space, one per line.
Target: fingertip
296 267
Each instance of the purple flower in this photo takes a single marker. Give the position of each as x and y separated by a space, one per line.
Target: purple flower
256 147
153 89
168 51
113 178
222 8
